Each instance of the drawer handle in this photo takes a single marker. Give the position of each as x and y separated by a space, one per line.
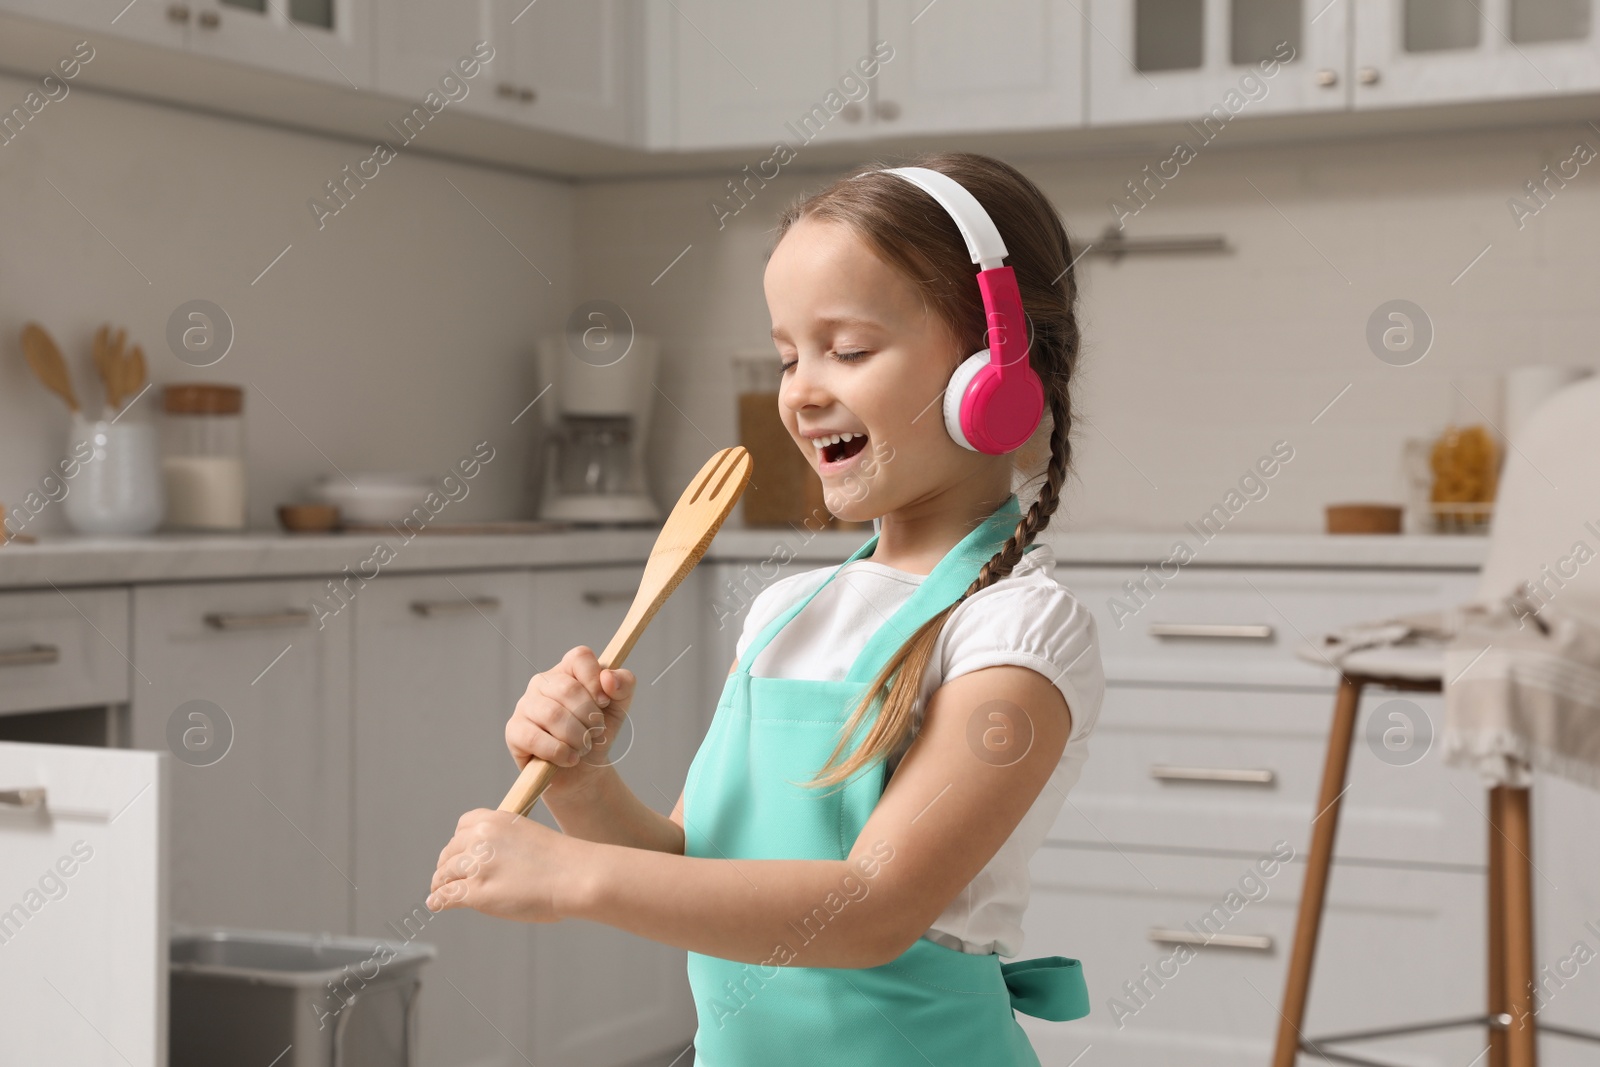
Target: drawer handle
1162 935
1163 772
28 655
430 608
264 620
1226 630
597 599
28 799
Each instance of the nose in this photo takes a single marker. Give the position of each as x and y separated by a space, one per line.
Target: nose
803 387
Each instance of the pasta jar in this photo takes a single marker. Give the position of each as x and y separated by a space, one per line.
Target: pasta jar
202 462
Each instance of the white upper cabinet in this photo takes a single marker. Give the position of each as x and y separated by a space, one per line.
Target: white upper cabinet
571 65
757 72
1437 51
417 45
153 23
979 65
1153 60
325 40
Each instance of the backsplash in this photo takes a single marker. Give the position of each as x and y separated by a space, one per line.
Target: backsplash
401 335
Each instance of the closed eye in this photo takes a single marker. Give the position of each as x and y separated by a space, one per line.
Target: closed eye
843 357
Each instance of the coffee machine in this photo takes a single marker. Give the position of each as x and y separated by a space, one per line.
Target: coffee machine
596 421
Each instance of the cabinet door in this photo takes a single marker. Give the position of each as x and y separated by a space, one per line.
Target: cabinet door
438 663
238 681
163 24
629 998
571 65
999 65
418 44
83 933
1427 51
325 40
1209 60
751 73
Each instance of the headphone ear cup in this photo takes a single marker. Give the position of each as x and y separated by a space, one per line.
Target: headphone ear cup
955 394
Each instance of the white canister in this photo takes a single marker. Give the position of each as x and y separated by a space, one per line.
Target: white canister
117 488
203 464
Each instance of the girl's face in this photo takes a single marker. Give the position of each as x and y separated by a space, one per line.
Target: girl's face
862 355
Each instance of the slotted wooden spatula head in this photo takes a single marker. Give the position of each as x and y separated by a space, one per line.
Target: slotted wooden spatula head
683 540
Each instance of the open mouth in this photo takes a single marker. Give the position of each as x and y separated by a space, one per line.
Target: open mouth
841 447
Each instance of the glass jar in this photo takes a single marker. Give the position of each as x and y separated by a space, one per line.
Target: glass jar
202 463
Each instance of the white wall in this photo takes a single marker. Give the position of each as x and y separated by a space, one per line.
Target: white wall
1194 365
395 338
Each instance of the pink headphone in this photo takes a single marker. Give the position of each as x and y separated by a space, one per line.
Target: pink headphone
995 399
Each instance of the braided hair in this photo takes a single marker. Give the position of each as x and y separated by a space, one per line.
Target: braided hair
914 235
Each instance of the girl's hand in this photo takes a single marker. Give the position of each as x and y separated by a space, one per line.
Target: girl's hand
569 716
504 865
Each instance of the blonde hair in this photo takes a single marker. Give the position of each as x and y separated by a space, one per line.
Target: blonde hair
921 241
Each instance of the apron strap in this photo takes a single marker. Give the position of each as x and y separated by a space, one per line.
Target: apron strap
762 639
1049 987
939 589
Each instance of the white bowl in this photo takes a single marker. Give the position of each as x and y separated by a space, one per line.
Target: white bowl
375 497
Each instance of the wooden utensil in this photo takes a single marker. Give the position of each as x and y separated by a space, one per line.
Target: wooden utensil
106 367
684 538
45 359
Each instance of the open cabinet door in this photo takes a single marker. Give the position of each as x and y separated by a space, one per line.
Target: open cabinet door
83 922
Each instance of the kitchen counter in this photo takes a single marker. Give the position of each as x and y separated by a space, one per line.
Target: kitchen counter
67 560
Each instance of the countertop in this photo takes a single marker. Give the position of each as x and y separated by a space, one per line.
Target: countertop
66 560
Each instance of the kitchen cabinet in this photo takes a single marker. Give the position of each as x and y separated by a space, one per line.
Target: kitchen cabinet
439 662
150 23
754 73
83 919
1439 51
248 685
1151 60
630 998
562 65
63 649
999 65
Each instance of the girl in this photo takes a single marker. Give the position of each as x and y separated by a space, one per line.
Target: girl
849 858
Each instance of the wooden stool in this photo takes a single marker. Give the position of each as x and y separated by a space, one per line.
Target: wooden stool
1510 1020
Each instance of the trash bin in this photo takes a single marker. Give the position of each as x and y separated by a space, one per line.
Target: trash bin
246 996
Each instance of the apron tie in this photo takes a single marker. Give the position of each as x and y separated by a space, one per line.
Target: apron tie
1049 987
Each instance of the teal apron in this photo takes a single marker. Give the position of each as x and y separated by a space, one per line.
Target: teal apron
932 1004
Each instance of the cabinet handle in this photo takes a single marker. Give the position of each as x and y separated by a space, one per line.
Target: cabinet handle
265 620
887 110
1162 935
30 798
1227 630
1368 75
1164 772
1327 78
430 608
506 89
209 20
526 95
594 599
178 12
29 655
851 112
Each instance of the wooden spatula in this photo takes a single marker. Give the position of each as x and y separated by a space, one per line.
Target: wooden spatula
683 540
45 359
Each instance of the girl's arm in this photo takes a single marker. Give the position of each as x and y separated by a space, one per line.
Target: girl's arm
989 742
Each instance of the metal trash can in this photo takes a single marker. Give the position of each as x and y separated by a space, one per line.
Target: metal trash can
246 996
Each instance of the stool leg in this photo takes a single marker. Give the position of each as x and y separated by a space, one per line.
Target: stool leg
1498 1039
1517 845
1325 824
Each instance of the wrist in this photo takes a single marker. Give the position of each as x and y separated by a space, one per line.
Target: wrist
578 895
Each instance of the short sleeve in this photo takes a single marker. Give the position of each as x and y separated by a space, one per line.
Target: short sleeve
1034 622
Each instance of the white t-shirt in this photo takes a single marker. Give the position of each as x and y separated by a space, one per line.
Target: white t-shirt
1028 619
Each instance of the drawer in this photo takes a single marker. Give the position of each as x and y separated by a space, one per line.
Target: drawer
1232 626
1398 946
63 650
1239 769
